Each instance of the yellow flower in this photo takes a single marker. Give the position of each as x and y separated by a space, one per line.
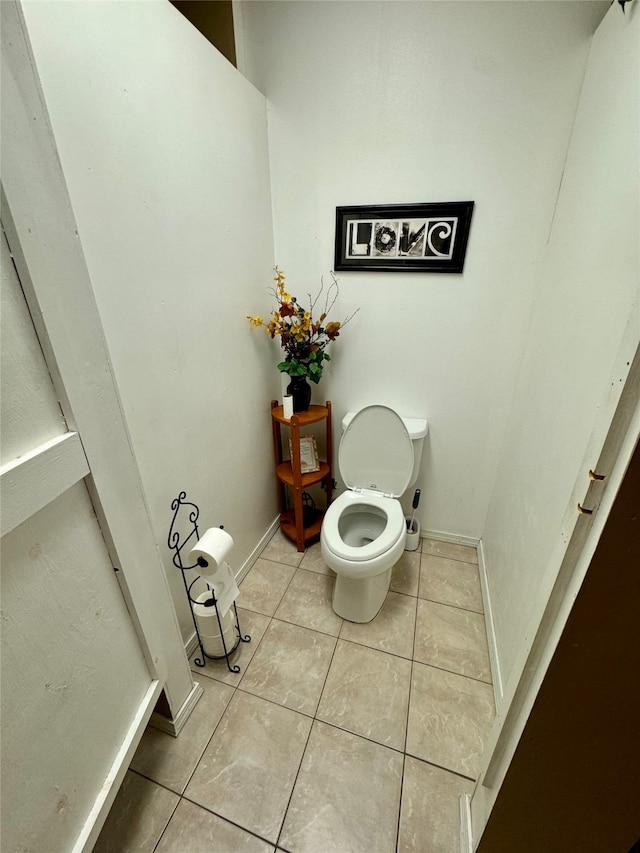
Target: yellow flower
255 321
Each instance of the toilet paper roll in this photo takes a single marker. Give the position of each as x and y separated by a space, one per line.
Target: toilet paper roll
287 405
203 612
210 551
209 627
209 555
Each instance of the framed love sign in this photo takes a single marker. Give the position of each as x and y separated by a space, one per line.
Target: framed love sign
403 237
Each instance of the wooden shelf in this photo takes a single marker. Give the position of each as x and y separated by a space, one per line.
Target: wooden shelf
311 531
294 521
284 472
311 416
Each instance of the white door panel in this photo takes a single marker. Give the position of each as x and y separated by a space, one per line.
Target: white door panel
72 670
36 478
39 459
31 414
73 673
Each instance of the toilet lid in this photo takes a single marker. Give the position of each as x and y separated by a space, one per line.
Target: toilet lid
376 452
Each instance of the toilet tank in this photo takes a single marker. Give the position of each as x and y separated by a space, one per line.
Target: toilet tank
417 428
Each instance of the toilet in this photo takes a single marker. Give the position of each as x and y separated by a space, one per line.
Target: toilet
363 531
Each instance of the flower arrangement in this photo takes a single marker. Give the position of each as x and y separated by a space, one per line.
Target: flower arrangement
303 339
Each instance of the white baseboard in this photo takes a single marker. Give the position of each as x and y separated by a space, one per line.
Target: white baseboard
466 843
449 537
174 726
191 645
103 802
494 659
253 556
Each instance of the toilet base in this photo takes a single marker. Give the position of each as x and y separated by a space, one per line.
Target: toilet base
360 600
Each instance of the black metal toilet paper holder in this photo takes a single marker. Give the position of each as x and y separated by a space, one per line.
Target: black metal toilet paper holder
182 509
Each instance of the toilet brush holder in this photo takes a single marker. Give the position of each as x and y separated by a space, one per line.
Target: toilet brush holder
412 542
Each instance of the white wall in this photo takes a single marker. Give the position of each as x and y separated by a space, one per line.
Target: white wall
584 330
164 146
397 102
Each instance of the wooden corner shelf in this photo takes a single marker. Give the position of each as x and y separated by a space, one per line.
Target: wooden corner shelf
293 522
285 473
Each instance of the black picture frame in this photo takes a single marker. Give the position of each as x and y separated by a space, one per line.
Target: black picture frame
403 237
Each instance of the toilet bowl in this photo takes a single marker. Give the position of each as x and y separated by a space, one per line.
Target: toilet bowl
363 532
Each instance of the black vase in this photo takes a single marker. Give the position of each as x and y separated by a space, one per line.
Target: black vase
300 390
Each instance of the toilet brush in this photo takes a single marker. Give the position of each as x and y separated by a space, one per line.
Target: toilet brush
416 501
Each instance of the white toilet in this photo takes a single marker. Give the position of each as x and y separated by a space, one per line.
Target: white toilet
363 531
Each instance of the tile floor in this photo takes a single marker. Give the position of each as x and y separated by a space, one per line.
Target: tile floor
334 737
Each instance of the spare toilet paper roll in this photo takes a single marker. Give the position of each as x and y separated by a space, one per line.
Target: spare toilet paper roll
210 551
287 406
211 630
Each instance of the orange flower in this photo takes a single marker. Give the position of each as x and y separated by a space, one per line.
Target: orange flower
287 310
332 329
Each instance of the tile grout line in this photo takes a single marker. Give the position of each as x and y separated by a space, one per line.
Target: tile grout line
373 648
404 764
235 688
227 820
453 559
166 826
413 660
454 606
453 672
159 784
306 627
295 782
215 729
367 738
441 767
406 728
304 751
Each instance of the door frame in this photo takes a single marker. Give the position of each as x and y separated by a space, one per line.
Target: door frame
573 783
609 453
39 222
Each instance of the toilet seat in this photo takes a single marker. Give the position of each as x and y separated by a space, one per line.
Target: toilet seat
393 529
376 452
